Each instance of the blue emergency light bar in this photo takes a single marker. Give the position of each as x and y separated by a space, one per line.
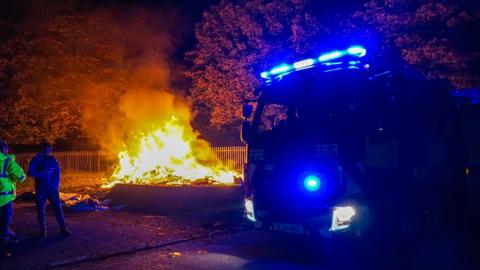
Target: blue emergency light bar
324 59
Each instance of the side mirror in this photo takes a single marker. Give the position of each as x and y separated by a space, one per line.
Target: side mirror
245 131
247 110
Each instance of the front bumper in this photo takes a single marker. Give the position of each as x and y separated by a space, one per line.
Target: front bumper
325 222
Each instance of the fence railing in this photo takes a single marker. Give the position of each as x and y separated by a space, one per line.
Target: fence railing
235 156
97 162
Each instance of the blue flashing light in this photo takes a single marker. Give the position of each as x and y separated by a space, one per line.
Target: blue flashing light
280 69
357 51
330 56
312 183
304 63
324 59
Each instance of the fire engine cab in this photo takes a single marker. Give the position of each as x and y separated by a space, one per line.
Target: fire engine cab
338 145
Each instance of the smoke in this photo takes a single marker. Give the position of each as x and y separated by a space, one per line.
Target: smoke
96 71
133 94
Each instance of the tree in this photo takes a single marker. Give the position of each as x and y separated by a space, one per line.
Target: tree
441 38
47 65
235 41
64 72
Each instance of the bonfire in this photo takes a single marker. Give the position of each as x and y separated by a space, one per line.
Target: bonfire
170 154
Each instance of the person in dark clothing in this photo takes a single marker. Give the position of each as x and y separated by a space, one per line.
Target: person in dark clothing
44 168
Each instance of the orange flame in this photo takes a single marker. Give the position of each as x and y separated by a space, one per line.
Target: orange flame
171 154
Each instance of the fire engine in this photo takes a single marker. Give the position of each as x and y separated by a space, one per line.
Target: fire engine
338 145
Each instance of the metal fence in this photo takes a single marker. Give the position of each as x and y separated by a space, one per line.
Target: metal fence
235 156
97 162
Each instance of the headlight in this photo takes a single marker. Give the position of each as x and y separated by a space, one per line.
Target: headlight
249 213
342 217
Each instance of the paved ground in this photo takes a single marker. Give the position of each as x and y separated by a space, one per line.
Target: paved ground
100 235
260 250
240 250
94 234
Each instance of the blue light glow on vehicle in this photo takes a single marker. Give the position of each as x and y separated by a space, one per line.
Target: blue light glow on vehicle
265 74
304 64
332 63
312 183
280 69
324 59
471 95
330 56
357 50
334 69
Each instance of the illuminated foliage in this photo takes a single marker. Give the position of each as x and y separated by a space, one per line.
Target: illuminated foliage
441 38
64 71
50 60
235 42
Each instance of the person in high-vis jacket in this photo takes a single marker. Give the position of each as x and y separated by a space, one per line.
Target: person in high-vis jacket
44 168
10 174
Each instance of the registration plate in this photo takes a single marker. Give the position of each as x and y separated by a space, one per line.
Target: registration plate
288 228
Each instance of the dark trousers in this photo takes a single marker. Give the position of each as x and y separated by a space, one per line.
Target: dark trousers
6 214
53 197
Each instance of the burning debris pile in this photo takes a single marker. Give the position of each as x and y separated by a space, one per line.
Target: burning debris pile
164 149
171 154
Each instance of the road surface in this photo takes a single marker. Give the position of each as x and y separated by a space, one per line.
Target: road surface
129 240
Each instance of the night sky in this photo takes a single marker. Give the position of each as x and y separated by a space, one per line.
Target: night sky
190 12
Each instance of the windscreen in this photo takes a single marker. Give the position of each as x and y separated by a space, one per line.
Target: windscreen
314 109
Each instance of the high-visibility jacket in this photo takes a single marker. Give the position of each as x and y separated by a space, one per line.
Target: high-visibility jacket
10 174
